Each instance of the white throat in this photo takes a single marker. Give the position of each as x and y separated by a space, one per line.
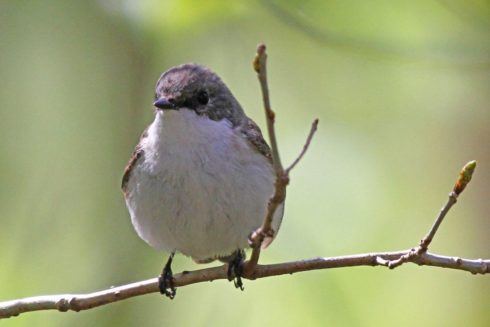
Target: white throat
183 135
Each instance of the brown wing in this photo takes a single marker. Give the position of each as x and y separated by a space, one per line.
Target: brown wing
137 153
253 134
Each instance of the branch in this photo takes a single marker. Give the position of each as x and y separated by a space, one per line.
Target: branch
260 66
79 302
282 175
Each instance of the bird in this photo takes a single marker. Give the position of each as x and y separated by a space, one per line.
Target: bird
199 180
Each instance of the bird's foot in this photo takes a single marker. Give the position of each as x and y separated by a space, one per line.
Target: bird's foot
235 269
166 279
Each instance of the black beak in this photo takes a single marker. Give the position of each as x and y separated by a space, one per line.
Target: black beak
164 103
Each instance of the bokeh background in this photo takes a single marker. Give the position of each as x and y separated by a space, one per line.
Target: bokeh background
402 91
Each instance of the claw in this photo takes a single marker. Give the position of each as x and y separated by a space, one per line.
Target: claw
166 279
235 269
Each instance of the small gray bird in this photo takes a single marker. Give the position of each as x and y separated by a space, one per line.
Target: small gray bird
201 175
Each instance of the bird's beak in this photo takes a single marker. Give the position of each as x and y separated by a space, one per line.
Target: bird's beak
164 103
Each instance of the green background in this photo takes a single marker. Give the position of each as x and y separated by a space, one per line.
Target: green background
402 91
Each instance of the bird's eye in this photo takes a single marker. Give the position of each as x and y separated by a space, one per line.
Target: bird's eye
202 97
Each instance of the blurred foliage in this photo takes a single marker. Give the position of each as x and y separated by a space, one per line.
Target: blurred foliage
174 16
402 93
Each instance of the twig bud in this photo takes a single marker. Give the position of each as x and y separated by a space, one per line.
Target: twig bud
260 53
464 177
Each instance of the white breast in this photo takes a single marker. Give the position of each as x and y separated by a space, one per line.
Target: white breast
199 187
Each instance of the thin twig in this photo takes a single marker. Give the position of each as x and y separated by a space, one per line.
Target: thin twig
260 66
463 179
313 129
461 183
258 236
251 264
282 176
424 243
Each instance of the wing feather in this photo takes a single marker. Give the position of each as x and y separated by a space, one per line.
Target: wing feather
254 136
137 154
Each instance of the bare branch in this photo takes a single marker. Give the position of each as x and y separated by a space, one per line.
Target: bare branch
424 243
79 302
313 129
282 176
258 236
260 66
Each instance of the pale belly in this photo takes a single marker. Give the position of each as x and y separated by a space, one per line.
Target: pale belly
201 195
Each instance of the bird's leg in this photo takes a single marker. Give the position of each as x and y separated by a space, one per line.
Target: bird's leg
166 279
235 268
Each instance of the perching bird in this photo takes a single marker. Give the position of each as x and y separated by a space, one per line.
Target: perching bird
200 178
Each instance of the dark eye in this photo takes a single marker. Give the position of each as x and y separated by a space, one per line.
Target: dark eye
202 97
